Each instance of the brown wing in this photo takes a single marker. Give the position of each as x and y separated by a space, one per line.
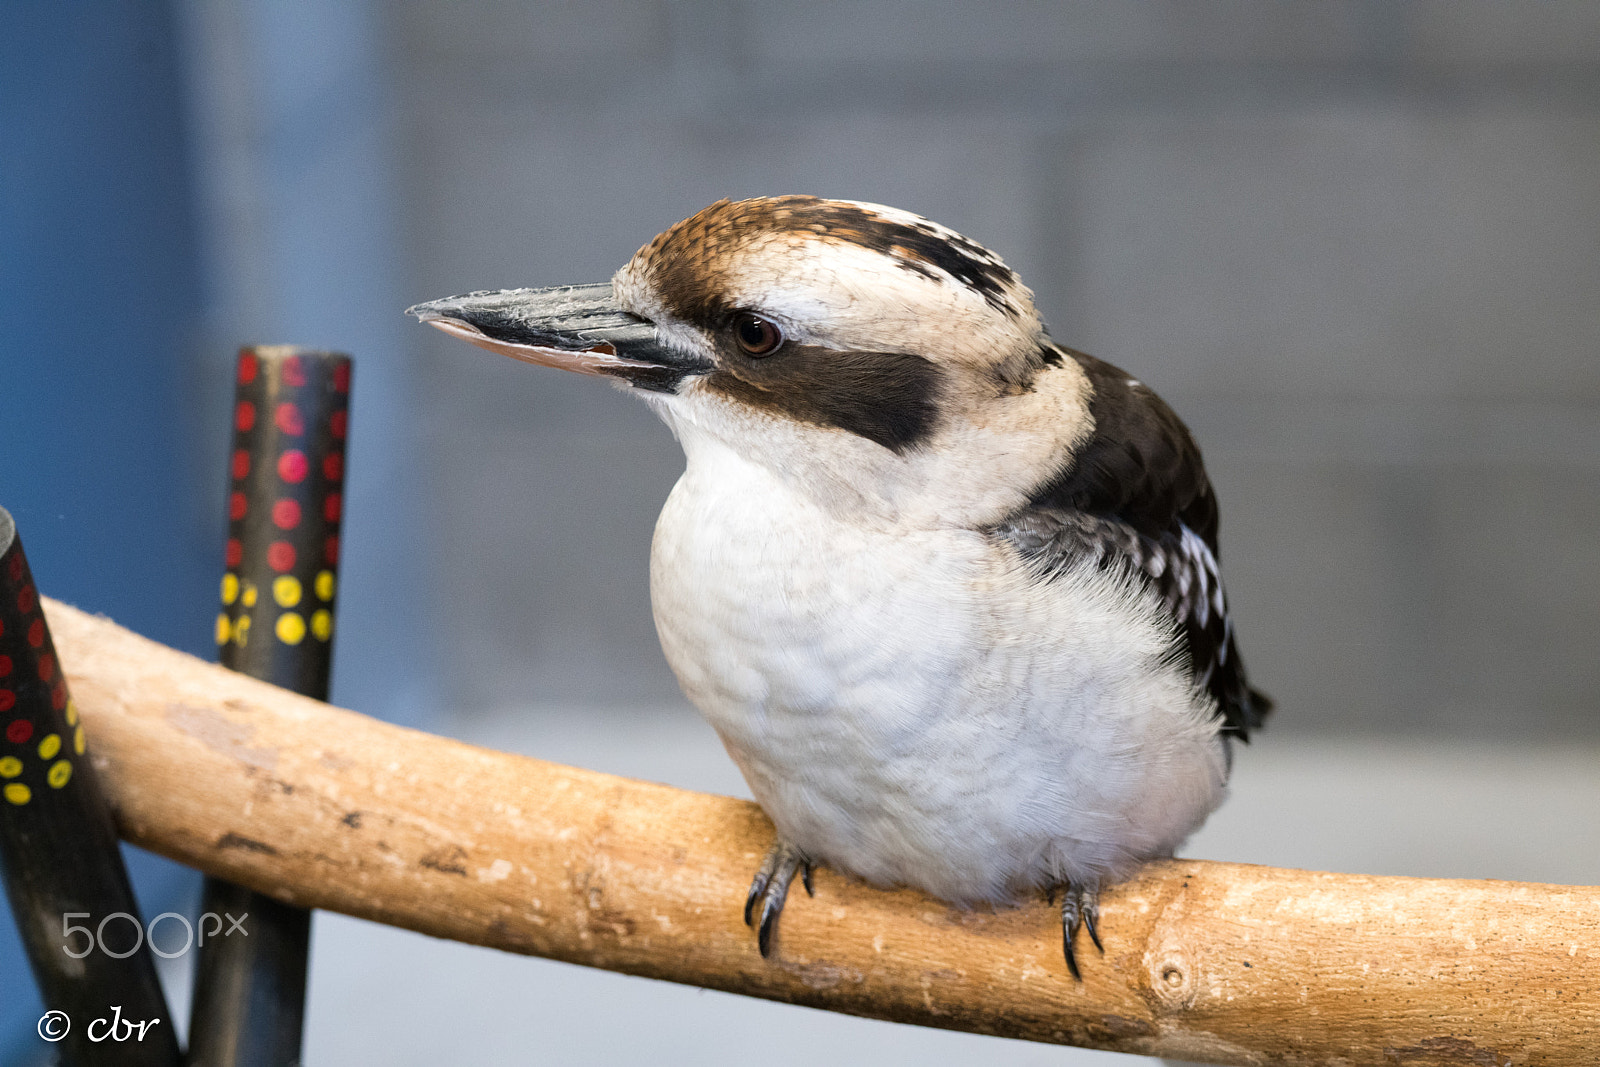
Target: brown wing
1137 497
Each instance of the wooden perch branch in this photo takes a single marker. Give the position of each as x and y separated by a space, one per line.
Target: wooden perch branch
1229 963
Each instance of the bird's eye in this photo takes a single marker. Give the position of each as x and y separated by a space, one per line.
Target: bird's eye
756 335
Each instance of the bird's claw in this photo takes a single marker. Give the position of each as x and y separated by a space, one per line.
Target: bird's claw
1079 907
771 888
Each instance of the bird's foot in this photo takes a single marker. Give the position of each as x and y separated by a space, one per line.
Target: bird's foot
1080 906
771 888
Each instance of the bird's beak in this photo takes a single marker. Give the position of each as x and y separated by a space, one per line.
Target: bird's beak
573 327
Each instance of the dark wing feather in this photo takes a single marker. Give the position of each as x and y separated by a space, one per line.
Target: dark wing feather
1137 497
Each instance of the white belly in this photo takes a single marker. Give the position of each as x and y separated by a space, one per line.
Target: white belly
912 707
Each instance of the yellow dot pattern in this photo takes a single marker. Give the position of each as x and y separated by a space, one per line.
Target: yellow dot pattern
78 741
291 628
56 764
286 590
240 596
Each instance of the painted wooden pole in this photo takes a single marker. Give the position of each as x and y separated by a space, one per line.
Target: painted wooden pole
290 417
1226 963
69 891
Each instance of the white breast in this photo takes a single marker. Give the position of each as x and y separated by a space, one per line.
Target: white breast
911 706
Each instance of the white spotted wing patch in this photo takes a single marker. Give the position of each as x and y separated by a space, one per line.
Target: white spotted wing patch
1181 571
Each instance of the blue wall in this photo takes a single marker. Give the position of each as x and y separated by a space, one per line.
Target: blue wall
99 293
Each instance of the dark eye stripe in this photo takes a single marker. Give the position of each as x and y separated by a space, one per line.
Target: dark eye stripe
890 398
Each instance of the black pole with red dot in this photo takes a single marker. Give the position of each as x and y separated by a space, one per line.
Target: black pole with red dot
63 873
285 504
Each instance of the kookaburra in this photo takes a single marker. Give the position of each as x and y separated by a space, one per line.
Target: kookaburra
947 590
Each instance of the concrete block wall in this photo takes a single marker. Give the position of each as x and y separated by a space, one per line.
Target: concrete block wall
1356 245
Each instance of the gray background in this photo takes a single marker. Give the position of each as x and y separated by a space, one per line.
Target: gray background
1356 245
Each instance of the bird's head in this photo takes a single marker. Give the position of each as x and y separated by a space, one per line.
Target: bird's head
874 359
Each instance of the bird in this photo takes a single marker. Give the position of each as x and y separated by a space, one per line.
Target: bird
947 590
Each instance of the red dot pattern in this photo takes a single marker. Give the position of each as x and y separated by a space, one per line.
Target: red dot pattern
285 501
293 466
280 556
26 626
287 418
